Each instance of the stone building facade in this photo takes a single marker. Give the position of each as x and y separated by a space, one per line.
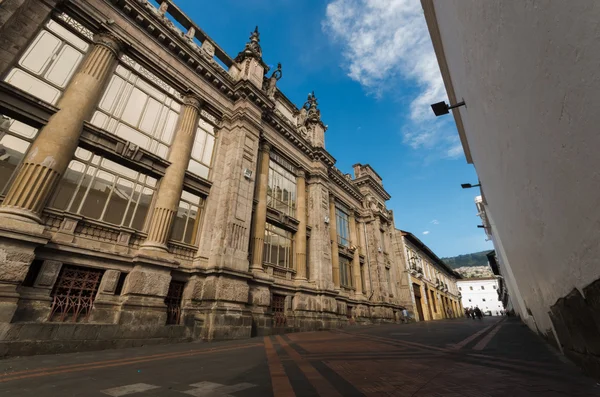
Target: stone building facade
154 188
428 286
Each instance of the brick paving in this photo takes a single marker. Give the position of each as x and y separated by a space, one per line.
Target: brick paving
442 358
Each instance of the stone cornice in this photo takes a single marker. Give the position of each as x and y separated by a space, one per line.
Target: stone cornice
369 181
26 108
145 15
278 123
320 154
339 178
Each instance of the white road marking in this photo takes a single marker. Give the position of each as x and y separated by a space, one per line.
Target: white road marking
128 389
205 389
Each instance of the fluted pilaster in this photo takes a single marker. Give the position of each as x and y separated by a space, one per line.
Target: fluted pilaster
301 233
260 215
171 185
335 259
53 148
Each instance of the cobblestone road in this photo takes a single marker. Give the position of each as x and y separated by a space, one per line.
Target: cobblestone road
492 357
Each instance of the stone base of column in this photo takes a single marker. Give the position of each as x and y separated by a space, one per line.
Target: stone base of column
20 214
18 241
153 246
224 321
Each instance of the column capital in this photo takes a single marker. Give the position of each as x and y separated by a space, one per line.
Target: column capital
110 41
193 101
331 198
265 146
300 173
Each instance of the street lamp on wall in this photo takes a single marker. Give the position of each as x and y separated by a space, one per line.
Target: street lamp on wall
442 108
468 185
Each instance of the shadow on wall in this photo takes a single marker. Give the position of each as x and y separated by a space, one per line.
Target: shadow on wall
576 319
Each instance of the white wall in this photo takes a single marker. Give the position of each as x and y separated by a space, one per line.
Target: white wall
529 74
480 293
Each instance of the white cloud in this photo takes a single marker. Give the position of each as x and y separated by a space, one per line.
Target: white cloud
426 232
386 42
435 222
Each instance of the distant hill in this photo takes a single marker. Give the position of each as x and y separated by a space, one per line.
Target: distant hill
467 260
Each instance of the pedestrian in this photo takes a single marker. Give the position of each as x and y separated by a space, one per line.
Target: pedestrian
472 314
478 312
404 315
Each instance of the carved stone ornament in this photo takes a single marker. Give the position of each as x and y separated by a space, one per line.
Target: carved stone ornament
162 10
270 84
190 33
109 41
190 100
252 48
208 48
313 113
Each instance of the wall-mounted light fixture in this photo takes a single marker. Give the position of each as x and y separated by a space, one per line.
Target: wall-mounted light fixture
326 220
247 173
468 185
481 226
442 108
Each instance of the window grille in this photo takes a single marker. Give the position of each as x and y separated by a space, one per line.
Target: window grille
173 302
74 293
278 305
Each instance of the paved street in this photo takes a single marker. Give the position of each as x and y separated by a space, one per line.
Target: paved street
492 357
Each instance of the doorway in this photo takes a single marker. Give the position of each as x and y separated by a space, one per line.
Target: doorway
417 293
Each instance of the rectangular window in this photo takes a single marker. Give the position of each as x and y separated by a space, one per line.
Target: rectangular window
343 229
278 247
185 224
137 111
382 239
433 300
346 279
49 62
101 189
74 293
44 70
281 189
202 151
278 306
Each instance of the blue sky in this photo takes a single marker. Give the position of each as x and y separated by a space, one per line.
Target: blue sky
372 67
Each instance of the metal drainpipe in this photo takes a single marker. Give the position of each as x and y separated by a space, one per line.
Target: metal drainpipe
368 259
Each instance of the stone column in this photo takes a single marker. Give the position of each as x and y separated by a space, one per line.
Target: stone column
355 258
52 150
260 215
171 185
335 259
301 233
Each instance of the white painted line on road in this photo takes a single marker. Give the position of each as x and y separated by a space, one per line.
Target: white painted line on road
129 389
484 342
205 389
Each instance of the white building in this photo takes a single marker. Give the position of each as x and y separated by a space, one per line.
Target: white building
482 293
527 73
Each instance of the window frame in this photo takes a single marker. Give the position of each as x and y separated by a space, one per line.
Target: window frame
342 224
280 177
190 202
274 230
346 270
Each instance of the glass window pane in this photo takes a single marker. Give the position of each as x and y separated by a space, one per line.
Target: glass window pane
12 151
142 209
150 116
67 186
118 202
187 196
115 88
199 142
169 128
208 150
68 36
150 90
192 224
40 53
198 169
98 195
179 222
22 129
134 107
133 136
33 86
64 66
